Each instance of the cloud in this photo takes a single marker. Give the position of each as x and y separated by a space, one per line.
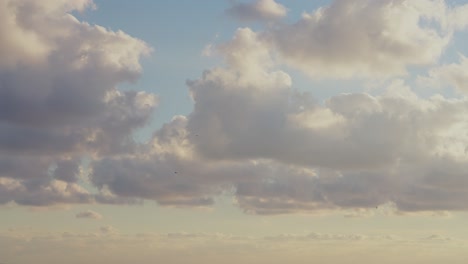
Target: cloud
59 100
108 230
317 237
32 193
454 74
205 247
89 215
263 10
372 39
251 135
277 150
365 150
239 115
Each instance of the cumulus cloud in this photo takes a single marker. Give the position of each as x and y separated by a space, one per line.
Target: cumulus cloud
367 150
277 150
89 215
368 38
453 74
39 194
263 10
238 115
59 99
251 134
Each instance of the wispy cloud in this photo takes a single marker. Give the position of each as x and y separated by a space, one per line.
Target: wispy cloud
258 10
199 247
89 215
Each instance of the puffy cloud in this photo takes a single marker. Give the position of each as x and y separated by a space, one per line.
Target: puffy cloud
33 194
89 215
368 38
454 74
367 150
168 171
279 151
239 115
59 99
251 134
263 10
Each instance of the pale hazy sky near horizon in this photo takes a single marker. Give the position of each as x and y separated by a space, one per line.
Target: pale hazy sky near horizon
228 131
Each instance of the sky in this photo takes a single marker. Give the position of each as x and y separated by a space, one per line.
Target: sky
229 131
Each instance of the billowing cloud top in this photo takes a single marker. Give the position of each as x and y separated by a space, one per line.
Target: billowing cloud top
367 38
251 134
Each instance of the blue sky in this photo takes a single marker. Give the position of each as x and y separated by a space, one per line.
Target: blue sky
255 131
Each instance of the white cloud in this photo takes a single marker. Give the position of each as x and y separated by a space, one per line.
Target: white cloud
251 134
368 38
278 151
454 74
59 99
384 147
263 10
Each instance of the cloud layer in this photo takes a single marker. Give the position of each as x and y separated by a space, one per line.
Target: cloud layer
72 247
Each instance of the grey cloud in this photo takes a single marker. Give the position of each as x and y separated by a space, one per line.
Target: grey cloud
74 88
108 230
105 197
157 172
317 237
59 100
266 187
23 167
89 214
67 170
42 194
169 172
